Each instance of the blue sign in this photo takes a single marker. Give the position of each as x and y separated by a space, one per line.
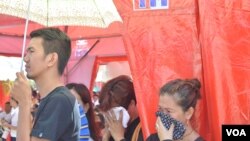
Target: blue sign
150 4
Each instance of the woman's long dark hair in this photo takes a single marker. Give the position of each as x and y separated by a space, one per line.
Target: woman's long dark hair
84 93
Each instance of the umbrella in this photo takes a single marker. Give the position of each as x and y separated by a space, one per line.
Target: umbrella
13 27
97 13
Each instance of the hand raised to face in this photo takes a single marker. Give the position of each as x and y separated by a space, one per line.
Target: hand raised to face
21 90
168 122
115 125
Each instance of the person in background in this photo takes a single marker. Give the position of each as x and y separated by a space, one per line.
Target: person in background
35 102
178 99
95 99
14 119
119 92
57 118
5 116
88 125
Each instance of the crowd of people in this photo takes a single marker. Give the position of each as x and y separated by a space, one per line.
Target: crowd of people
70 112
9 117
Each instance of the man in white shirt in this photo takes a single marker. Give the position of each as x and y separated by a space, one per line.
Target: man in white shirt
5 117
14 118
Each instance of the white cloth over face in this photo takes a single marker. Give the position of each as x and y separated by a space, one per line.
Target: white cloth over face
125 117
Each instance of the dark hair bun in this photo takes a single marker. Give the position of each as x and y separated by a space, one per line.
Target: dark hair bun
196 83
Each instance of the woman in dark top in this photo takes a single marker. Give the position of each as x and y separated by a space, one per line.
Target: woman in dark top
177 99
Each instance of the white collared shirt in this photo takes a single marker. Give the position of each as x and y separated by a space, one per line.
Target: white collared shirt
14 119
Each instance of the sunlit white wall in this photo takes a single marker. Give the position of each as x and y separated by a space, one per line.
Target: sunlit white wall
9 66
112 69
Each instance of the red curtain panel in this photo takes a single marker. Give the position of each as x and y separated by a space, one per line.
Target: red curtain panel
162 45
225 43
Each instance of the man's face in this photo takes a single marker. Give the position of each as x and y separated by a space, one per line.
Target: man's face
35 58
7 108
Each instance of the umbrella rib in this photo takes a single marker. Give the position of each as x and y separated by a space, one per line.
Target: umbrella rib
99 12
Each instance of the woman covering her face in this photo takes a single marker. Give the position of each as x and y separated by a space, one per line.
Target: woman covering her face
177 103
118 103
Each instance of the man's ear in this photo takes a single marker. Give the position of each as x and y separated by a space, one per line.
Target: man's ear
52 59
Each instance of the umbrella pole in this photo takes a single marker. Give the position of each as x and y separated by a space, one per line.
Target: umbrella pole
25 35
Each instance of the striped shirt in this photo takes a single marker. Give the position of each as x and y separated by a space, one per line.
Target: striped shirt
84 128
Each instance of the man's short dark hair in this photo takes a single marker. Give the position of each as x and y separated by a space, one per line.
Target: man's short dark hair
54 40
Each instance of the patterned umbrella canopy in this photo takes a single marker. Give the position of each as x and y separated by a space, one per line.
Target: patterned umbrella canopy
93 13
